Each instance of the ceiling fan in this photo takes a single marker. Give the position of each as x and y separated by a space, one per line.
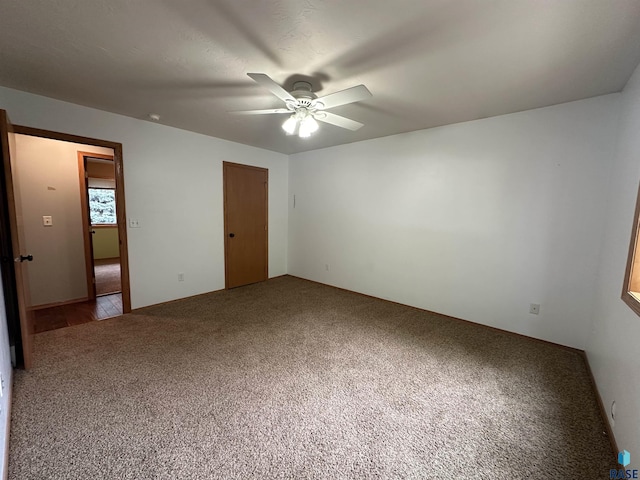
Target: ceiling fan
305 107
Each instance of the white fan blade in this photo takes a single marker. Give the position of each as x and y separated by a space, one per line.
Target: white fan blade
350 95
262 112
338 121
272 86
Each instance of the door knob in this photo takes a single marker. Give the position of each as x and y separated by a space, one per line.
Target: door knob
22 258
231 235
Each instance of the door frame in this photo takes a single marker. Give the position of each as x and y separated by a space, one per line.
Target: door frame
87 228
226 221
120 200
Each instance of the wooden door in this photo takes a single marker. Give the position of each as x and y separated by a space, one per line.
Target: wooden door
87 230
245 224
21 258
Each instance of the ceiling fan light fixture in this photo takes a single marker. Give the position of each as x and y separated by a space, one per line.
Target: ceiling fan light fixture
290 124
308 125
305 108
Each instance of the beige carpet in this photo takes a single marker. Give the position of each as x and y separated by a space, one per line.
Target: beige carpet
107 273
291 379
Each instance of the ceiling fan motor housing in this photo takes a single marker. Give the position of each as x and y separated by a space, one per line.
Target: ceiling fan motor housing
303 94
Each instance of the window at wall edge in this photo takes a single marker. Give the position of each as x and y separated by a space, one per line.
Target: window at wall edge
631 286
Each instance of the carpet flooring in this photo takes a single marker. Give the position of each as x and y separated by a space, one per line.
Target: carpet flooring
292 379
107 273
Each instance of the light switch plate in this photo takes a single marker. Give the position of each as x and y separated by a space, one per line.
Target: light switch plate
47 221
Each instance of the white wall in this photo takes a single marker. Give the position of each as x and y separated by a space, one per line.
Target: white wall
614 340
173 185
475 220
7 374
47 171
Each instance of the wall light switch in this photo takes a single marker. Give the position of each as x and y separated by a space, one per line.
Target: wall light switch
47 221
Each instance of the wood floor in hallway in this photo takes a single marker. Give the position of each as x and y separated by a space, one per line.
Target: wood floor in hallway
52 318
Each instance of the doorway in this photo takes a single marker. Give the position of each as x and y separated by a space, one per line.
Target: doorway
245 224
48 225
100 224
107 174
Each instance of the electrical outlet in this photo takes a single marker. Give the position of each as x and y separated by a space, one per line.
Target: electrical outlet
326 267
134 223
534 308
181 277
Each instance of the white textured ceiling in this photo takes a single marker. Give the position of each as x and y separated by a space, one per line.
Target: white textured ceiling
427 62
